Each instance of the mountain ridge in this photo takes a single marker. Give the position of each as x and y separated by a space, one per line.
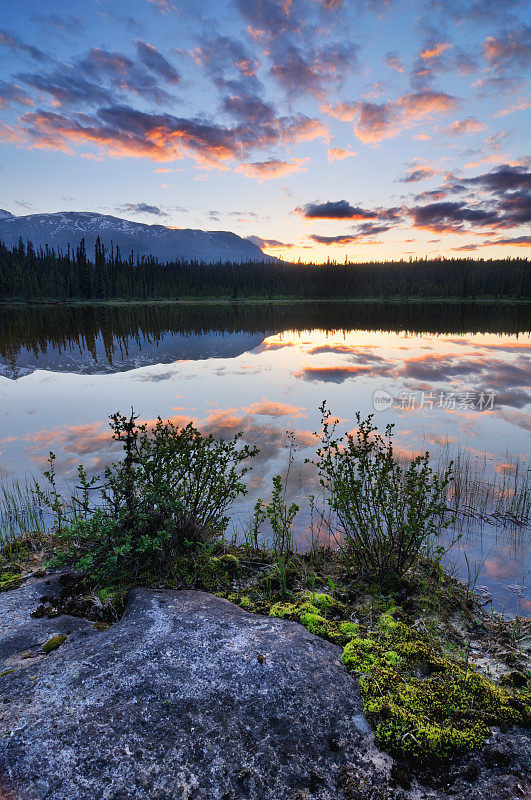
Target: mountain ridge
63 228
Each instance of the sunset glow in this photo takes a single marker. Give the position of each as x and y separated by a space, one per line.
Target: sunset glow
252 116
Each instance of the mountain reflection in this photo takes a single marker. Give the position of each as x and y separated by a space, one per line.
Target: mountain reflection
114 338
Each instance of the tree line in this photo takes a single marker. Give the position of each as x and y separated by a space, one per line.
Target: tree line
29 273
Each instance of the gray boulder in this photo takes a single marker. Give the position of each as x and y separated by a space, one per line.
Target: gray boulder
188 697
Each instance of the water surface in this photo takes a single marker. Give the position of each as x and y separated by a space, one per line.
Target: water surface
452 378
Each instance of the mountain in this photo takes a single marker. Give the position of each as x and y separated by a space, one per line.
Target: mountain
69 227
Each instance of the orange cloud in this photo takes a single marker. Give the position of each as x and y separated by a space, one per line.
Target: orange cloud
272 168
435 50
271 408
123 132
377 121
512 109
339 153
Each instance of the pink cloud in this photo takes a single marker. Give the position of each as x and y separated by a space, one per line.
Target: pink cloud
272 168
339 153
374 122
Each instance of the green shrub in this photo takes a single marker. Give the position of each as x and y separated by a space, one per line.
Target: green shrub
167 496
387 513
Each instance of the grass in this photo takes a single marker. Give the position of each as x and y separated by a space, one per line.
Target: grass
504 497
20 515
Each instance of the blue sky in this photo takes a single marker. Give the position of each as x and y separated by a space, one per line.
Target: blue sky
324 128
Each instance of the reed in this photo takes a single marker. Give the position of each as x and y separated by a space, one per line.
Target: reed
20 515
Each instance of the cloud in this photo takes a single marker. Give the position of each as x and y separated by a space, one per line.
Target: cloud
368 229
503 179
122 131
504 201
418 173
374 122
339 209
434 50
249 109
449 216
272 168
269 243
143 208
271 408
67 87
304 53
123 74
300 71
346 238
155 61
12 93
228 64
339 153
394 62
515 241
512 50
331 374
465 126
60 24
14 43
520 106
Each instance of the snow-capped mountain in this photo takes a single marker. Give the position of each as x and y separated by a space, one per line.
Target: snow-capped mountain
69 227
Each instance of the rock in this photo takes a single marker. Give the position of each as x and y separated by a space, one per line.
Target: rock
189 697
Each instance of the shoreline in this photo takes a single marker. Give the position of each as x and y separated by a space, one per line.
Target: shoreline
250 301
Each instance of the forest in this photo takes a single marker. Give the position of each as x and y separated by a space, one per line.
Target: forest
30 274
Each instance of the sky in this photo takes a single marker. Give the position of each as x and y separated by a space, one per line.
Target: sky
358 129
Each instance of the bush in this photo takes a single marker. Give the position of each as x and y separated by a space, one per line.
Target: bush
168 495
387 512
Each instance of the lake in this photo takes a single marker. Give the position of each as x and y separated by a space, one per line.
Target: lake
454 379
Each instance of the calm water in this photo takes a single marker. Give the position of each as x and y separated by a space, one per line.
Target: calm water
451 378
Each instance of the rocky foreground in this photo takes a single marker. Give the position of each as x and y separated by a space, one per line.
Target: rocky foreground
189 697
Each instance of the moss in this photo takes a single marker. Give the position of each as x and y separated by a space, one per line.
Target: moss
229 563
101 626
54 643
349 629
325 603
309 613
515 679
422 705
285 611
10 580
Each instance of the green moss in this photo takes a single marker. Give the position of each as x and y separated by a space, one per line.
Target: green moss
422 705
310 615
54 643
285 611
325 603
229 563
349 629
10 580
